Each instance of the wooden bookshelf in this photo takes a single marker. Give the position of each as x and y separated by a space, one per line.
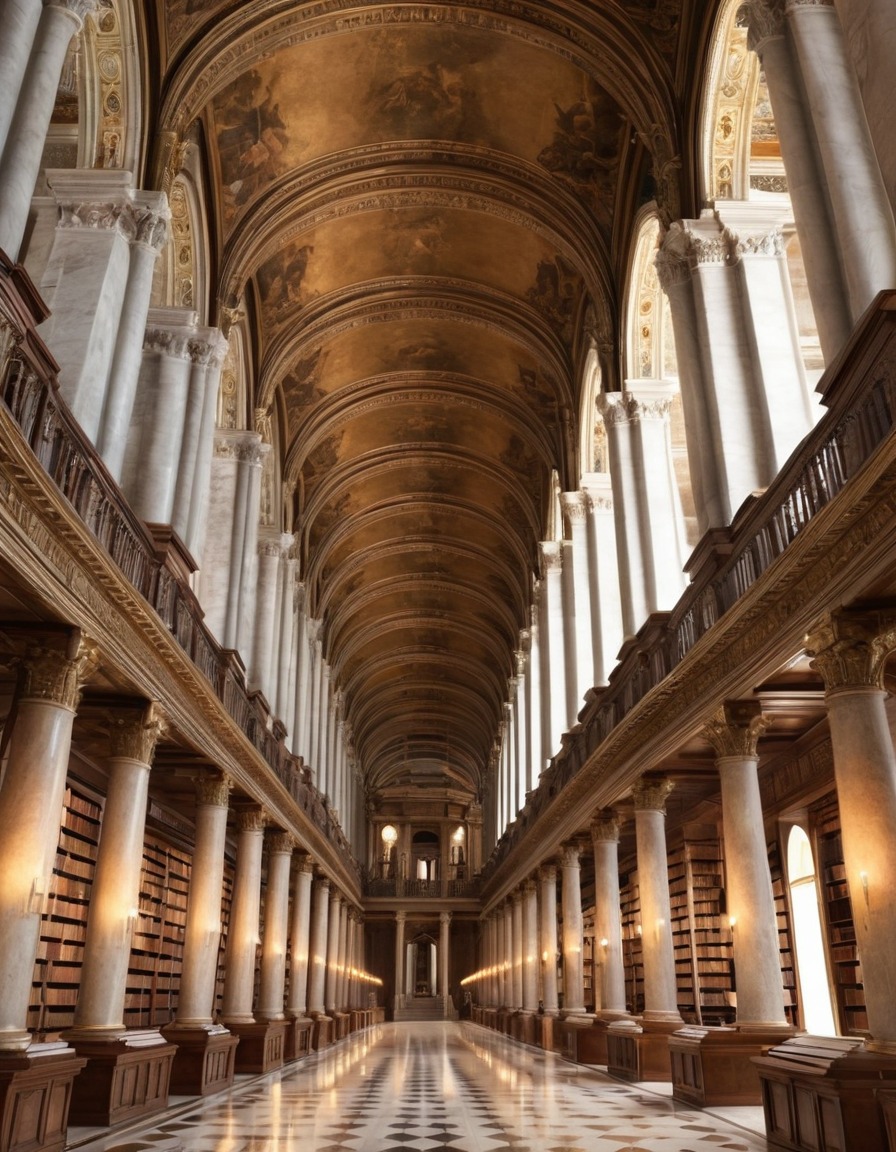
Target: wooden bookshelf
632 956
588 971
785 934
682 935
845 969
714 976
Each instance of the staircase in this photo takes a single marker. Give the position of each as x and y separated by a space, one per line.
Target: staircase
424 1008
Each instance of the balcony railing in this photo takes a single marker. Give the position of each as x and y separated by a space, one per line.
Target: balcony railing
29 388
396 888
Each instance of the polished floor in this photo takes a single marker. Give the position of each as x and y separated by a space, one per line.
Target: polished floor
396 1088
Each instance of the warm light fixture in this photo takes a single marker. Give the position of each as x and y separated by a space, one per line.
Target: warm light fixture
389 834
732 921
458 835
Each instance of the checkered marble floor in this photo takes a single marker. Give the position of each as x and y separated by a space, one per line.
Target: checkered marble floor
396 1088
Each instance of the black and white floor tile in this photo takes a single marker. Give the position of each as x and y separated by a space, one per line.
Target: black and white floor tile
431 1087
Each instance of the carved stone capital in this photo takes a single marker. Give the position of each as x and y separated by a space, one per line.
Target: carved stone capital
765 21
673 259
551 555
570 855
213 789
796 5
605 827
850 649
735 729
305 864
280 843
246 447
530 887
173 342
322 884
547 873
516 896
651 795
251 819
81 9
400 917
521 660
770 243
575 507
151 219
445 917
134 732
58 676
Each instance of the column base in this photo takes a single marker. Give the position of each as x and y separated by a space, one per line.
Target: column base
127 1075
35 1095
639 1050
715 1065
823 1092
341 1023
298 1038
523 1027
261 1045
205 1059
321 1032
546 1032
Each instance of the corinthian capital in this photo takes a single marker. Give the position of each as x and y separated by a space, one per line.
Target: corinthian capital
251 819
151 218
134 732
78 8
765 21
213 789
850 649
735 729
57 675
605 827
551 555
575 507
651 795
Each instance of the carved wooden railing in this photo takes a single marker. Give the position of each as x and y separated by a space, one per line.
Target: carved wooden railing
29 389
393 887
859 392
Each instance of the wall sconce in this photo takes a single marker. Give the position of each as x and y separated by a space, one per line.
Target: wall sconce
604 942
863 876
35 902
638 929
732 921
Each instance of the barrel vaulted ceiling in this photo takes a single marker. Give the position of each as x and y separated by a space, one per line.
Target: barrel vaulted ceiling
425 209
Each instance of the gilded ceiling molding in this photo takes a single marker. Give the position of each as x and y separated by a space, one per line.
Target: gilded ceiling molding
612 51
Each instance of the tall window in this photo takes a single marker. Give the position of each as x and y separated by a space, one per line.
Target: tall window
814 990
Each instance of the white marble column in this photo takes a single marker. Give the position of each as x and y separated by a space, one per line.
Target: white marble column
18 26
573 932
444 957
84 283
115 890
863 216
271 547
534 762
529 949
32 794
850 652
302 666
286 662
649 521
202 934
660 989
276 914
400 918
59 22
547 876
507 956
332 951
300 939
769 38
343 957
199 488
575 509
552 636
607 632
734 734
516 954
242 936
151 218
318 958
570 638
149 474
607 915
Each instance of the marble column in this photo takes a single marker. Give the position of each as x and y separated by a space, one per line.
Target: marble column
149 475
272 547
32 794
516 955
570 637
573 932
115 890
660 989
202 934
242 937
649 521
734 734
276 914
18 26
529 950
151 218
812 215
507 957
400 918
84 283
547 876
318 957
607 916
300 933
343 957
336 902
27 130
554 668
607 632
575 509
533 705
444 957
850 652
863 216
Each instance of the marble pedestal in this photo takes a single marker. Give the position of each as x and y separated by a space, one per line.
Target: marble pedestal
126 1076
341 1023
640 1052
297 1042
321 1032
715 1065
505 1020
35 1094
524 1027
261 1045
569 1036
204 1062
546 1032
592 1042
822 1092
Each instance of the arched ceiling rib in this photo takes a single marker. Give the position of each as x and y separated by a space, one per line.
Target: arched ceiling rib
421 202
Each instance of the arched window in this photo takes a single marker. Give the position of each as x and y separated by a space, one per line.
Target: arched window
814 986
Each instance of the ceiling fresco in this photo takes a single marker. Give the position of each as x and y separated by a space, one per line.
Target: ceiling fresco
420 204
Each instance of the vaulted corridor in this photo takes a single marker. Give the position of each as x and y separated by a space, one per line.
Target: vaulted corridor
428 1086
